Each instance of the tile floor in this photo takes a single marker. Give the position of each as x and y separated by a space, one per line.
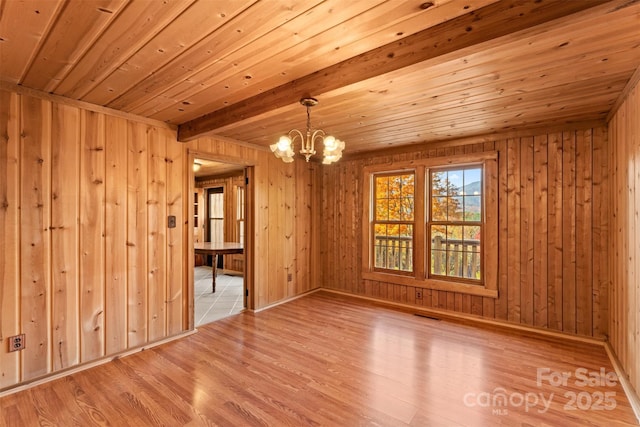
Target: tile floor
227 299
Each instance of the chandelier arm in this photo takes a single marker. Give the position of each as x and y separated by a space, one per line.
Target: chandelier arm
295 133
318 135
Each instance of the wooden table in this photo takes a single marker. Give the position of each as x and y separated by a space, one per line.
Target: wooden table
215 249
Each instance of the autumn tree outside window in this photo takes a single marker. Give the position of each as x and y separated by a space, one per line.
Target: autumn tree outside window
428 223
393 222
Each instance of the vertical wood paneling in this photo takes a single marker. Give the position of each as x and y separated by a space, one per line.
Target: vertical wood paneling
513 229
569 232
278 283
116 236
491 265
65 138
527 208
156 222
540 215
92 236
175 236
302 216
634 231
74 190
601 233
554 236
584 239
624 228
328 227
35 250
316 271
501 304
278 227
137 234
262 232
340 250
634 239
290 204
476 301
9 232
545 189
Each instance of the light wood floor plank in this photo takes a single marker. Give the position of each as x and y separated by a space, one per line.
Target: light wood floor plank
332 360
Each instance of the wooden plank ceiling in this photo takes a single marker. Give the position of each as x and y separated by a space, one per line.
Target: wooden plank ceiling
386 72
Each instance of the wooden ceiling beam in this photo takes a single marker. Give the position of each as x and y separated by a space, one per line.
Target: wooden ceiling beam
493 21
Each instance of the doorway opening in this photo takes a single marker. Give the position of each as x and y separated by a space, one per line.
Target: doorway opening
220 278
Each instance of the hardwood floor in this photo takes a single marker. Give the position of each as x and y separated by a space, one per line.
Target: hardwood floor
331 360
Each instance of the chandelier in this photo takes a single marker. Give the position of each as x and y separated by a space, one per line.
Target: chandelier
333 147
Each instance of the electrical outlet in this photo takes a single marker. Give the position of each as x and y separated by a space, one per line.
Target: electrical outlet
17 342
418 294
289 277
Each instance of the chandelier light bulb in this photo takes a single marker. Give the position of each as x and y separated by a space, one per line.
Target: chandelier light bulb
284 143
330 142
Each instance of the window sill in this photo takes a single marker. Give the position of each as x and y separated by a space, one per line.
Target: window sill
440 285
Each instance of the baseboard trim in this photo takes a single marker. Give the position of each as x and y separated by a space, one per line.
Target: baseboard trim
443 314
632 396
275 304
84 366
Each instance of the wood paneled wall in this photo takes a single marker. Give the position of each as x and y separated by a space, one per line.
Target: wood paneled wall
624 245
286 215
553 233
88 267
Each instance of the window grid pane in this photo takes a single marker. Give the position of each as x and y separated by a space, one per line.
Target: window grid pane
455 225
456 195
393 221
456 253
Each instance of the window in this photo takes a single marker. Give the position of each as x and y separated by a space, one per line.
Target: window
427 222
216 214
455 222
393 222
240 213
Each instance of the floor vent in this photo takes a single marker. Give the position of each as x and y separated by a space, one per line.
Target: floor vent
425 316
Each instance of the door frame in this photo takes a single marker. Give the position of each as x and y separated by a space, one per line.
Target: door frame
249 215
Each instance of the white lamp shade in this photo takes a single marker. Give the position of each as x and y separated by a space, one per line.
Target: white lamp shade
330 142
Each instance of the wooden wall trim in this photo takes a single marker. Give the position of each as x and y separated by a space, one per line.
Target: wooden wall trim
83 367
239 143
624 235
83 105
631 84
448 315
284 301
224 158
631 393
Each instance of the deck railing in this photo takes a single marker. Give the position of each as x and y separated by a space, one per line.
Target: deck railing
394 253
452 257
